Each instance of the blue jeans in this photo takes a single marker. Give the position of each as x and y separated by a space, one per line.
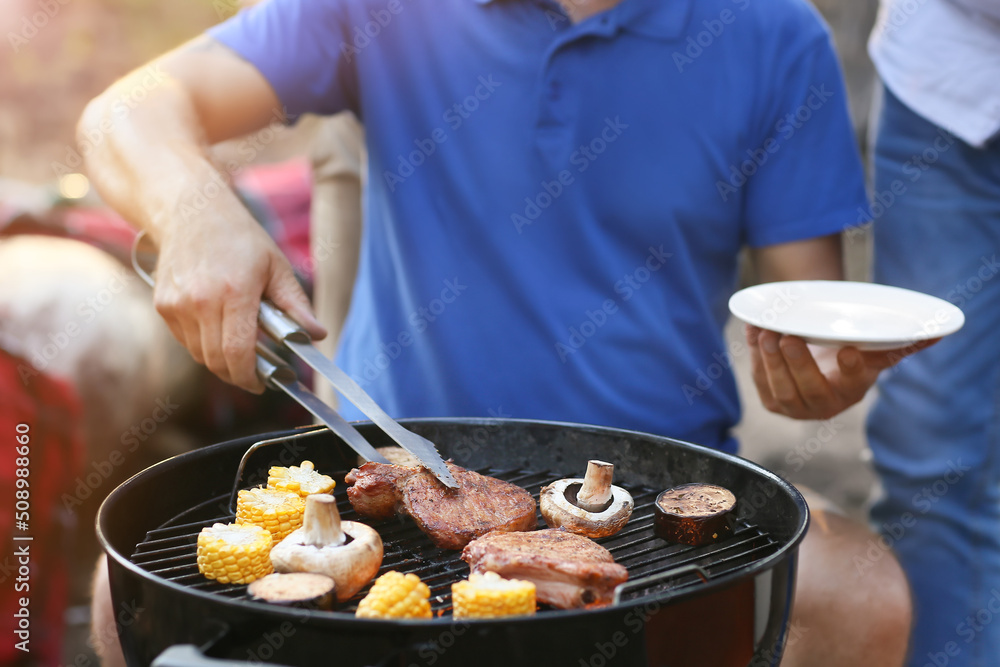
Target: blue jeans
935 429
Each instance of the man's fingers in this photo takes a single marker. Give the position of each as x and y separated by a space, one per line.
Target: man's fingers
757 370
812 385
887 358
284 290
166 306
211 343
779 378
855 376
239 340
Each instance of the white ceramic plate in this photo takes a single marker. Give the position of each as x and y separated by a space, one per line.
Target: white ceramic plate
838 313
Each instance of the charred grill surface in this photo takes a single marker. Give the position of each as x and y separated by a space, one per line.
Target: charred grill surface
169 551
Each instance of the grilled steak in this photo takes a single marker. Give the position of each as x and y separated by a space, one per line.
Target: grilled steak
569 570
375 493
451 517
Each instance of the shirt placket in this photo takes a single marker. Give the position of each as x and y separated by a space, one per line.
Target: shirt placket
559 99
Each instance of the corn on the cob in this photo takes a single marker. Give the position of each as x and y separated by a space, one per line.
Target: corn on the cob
303 479
233 554
280 512
396 595
489 595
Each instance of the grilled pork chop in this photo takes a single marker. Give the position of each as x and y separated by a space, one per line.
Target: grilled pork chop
568 570
451 517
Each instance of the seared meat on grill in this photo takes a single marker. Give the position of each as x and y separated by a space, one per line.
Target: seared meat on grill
569 570
375 493
451 517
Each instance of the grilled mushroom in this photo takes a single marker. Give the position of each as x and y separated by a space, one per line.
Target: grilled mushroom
305 590
322 546
590 506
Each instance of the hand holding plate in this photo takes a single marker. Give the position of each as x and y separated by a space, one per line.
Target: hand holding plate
804 382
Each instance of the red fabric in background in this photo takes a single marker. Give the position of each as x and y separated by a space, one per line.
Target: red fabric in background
52 412
279 196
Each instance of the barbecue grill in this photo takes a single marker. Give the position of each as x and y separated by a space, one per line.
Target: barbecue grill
725 603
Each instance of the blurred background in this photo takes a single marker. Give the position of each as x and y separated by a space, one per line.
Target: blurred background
57 55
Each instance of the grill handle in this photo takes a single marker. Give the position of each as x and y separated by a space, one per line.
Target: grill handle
238 482
189 655
642 582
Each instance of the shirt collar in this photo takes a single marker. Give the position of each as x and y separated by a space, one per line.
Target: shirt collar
660 19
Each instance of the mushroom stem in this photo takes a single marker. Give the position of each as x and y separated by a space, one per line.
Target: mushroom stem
321 523
595 492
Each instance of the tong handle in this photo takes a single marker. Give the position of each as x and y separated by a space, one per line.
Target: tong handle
280 326
271 367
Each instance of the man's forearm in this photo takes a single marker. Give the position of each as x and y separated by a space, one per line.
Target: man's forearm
811 259
148 163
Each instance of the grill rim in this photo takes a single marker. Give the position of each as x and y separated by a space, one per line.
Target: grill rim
554 616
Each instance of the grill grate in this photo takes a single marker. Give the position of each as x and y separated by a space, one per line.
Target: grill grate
170 551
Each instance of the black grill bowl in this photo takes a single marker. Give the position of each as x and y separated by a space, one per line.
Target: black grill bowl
738 617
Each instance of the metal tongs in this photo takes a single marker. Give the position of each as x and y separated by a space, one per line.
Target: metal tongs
276 374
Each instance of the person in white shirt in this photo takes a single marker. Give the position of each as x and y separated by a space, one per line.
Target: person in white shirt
935 429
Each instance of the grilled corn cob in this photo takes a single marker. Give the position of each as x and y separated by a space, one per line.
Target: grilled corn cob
303 479
233 554
280 512
396 595
489 595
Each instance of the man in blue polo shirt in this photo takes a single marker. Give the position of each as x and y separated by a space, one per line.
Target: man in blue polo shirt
557 196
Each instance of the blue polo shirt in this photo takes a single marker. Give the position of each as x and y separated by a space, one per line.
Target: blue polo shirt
553 211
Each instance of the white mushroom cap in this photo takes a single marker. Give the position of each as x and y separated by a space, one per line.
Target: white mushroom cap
318 546
607 511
